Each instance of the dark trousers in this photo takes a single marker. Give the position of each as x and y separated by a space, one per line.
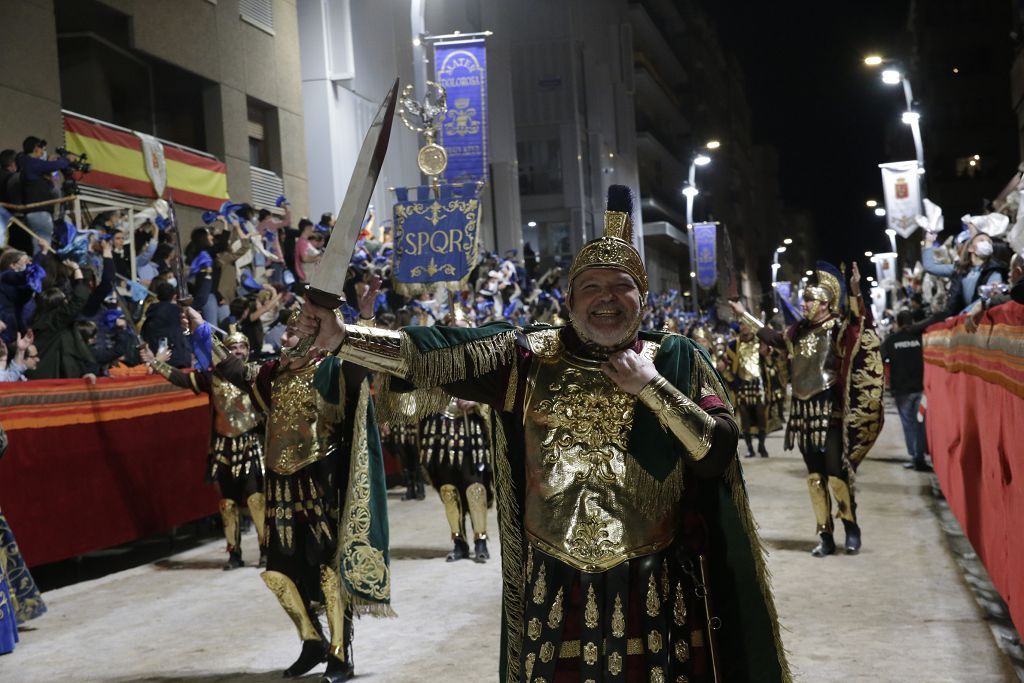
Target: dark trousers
907 406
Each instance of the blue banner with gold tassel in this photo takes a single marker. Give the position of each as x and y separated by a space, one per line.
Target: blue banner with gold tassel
704 236
461 68
435 238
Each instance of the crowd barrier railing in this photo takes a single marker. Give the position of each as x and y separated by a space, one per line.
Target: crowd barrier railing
974 388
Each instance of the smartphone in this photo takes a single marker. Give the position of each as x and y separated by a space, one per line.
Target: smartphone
161 346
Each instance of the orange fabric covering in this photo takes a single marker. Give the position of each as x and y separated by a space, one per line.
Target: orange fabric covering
974 385
92 466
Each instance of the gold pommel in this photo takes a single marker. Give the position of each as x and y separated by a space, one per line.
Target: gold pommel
218 351
374 349
676 412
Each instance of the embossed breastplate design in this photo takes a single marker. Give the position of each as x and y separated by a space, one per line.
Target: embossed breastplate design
579 506
294 437
233 413
749 360
814 362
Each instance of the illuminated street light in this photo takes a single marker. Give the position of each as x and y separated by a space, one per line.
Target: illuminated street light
532 224
872 60
871 203
880 212
809 273
890 232
690 191
869 254
713 144
910 117
891 77
702 160
693 274
787 241
780 250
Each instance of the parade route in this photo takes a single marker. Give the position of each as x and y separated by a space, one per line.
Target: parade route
898 612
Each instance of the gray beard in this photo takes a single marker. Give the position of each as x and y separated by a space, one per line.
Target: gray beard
600 349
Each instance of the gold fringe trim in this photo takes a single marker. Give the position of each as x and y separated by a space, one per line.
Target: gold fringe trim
388 406
657 496
734 479
513 581
454 364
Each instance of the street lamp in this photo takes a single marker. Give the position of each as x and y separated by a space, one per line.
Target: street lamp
691 191
880 212
871 203
892 238
892 75
869 254
787 241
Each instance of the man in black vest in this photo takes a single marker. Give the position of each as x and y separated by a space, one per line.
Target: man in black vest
903 353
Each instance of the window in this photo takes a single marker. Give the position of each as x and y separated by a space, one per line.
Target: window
259 153
259 13
540 167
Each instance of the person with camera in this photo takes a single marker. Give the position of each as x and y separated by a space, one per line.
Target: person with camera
38 183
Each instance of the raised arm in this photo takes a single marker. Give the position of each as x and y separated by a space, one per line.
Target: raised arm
766 334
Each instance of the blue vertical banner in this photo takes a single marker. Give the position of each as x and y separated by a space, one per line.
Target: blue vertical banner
461 69
704 239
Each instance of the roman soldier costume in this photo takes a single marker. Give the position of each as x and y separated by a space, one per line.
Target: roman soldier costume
403 441
326 509
628 550
236 453
457 459
747 372
836 410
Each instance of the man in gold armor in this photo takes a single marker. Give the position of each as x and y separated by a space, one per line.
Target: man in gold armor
746 371
836 411
326 510
236 453
628 549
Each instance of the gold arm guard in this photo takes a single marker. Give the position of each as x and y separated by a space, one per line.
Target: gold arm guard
691 425
219 351
374 349
751 320
161 368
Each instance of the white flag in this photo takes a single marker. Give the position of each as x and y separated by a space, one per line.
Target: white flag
153 158
885 270
902 190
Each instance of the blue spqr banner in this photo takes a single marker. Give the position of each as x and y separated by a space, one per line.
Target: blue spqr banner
461 68
435 239
707 258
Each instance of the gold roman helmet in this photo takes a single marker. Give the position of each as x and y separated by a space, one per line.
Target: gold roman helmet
818 293
615 249
235 337
831 283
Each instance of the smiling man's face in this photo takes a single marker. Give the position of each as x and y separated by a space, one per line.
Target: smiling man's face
605 307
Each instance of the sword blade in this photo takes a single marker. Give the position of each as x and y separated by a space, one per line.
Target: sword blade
329 279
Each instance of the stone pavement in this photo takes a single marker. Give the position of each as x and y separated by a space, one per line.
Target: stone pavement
898 612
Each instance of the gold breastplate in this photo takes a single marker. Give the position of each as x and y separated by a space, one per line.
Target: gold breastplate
294 430
580 506
233 413
814 362
749 360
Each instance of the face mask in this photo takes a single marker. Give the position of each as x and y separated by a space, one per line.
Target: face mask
983 248
173 282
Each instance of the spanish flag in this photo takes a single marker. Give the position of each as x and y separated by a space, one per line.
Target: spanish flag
118 164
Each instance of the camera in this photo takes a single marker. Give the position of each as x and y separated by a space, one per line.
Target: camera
80 164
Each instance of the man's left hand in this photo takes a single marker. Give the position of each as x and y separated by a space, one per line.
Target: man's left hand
368 298
629 371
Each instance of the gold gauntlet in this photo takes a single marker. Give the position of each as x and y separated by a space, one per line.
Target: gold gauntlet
691 425
161 368
751 320
374 349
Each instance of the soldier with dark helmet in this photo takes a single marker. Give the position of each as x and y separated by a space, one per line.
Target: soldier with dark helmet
836 411
236 449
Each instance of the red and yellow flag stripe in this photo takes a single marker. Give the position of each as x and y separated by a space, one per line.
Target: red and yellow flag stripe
117 164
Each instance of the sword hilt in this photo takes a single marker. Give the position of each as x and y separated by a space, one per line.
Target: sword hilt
322 299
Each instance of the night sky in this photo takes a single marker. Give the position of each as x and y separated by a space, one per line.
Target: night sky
823 110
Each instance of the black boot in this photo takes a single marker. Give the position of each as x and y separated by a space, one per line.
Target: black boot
421 492
314 652
826 546
337 670
459 552
263 557
234 560
750 445
480 552
761 450
852 537
410 486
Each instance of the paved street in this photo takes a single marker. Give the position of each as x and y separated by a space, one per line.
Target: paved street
897 612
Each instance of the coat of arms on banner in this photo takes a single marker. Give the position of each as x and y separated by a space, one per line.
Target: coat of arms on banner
435 238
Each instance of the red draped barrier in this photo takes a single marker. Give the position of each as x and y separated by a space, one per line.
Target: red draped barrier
974 385
92 466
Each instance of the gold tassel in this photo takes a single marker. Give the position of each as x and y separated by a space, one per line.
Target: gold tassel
448 365
657 496
513 581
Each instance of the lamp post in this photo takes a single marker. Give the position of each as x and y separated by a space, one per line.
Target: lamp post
894 74
690 192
